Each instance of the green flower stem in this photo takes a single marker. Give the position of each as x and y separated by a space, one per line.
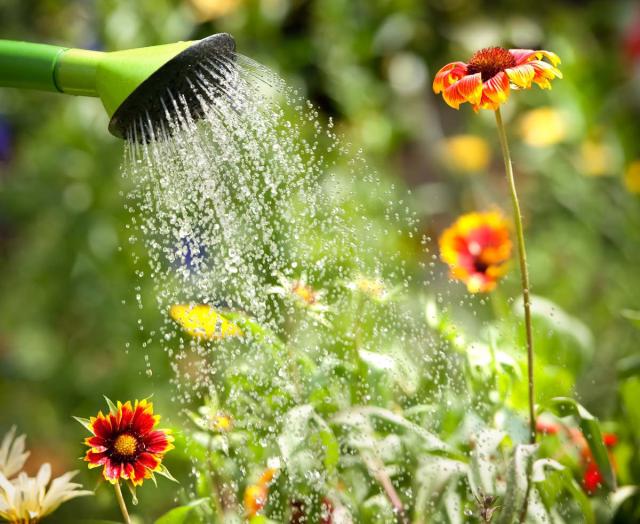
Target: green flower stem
379 472
524 271
123 506
524 277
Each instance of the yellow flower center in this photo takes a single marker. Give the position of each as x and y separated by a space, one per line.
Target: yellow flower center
490 61
126 444
304 293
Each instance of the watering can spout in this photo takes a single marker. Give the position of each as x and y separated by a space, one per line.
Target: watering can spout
130 84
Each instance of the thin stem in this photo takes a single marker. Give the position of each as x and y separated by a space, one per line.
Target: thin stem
123 506
524 271
524 277
379 472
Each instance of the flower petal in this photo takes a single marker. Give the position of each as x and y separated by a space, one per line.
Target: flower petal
470 87
149 461
495 91
453 97
448 75
521 75
522 56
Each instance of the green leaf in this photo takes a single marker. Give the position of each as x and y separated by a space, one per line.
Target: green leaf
305 440
95 521
85 422
579 496
163 471
112 406
430 441
483 469
565 406
181 514
633 316
517 483
630 393
628 366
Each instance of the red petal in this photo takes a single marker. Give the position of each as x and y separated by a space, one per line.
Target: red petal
522 56
102 427
113 471
97 458
495 91
156 441
139 474
143 419
470 87
149 461
453 97
129 472
96 442
448 75
126 415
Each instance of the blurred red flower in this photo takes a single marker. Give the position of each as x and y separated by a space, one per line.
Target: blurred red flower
476 248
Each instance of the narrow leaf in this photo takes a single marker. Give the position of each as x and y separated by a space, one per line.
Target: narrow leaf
564 406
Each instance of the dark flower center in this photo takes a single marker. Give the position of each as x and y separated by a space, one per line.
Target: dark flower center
490 61
479 266
126 445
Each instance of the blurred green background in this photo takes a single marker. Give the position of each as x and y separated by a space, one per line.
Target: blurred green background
69 324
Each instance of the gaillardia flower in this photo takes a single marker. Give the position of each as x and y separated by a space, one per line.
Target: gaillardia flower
485 81
476 248
126 443
204 321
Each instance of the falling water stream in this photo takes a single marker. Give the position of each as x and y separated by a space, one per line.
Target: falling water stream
258 208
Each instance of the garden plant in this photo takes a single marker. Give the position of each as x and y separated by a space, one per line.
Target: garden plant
302 289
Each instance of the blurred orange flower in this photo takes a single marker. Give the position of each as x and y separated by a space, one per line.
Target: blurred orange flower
485 81
255 495
476 248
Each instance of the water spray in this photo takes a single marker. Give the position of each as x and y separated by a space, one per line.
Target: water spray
131 84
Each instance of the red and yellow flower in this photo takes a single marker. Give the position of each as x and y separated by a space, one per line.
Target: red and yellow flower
477 248
126 444
486 80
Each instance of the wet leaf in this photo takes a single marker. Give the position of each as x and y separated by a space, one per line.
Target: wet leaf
564 406
182 514
517 482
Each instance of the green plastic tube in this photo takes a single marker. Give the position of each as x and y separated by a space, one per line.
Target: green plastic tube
47 67
27 65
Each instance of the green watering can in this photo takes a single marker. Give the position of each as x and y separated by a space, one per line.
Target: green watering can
131 83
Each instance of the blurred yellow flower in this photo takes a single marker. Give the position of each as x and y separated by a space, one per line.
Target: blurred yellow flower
210 9
221 423
632 177
542 127
203 321
303 295
465 153
598 158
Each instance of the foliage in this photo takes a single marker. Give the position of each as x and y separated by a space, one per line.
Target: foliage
440 414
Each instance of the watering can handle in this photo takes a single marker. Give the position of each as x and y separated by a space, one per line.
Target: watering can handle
27 65
48 68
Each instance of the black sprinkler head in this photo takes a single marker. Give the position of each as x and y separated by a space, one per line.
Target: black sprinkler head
177 77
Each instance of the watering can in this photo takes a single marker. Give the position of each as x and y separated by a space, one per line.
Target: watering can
131 84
